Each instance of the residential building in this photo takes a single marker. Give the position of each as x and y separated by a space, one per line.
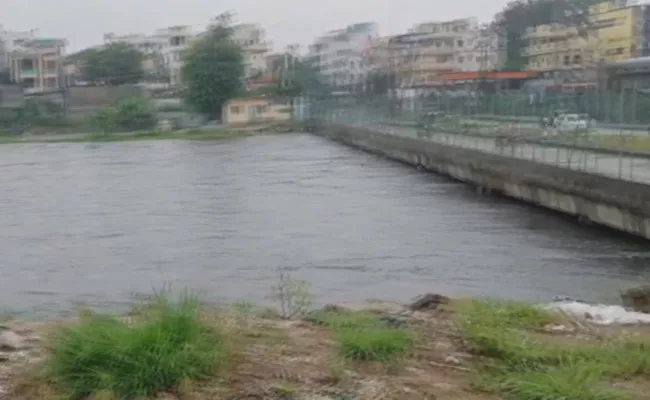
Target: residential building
482 50
248 110
558 51
434 48
177 40
252 39
37 64
152 47
9 41
339 54
618 28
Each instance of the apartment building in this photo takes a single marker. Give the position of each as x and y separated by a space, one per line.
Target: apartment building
152 47
339 54
37 64
556 49
435 48
9 41
177 40
252 39
619 30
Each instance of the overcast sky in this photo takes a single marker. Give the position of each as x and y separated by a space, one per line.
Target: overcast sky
83 22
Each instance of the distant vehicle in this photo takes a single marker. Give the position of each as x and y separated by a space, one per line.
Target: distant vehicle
572 122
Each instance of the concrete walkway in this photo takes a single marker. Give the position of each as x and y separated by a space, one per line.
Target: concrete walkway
621 167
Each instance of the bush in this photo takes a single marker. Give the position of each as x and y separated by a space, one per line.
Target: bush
128 115
169 345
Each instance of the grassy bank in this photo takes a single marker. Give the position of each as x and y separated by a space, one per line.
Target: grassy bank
462 349
128 136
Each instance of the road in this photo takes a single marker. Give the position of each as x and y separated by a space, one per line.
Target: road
621 167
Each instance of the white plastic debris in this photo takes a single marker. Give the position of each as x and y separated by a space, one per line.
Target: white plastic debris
600 313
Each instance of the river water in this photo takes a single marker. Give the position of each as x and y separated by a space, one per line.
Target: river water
99 224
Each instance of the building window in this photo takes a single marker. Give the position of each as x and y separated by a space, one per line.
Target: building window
235 110
459 43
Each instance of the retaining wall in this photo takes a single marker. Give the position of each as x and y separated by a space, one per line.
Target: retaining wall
618 204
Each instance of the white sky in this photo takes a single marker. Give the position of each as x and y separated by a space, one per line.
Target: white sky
83 22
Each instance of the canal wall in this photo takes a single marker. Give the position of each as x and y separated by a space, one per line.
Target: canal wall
618 204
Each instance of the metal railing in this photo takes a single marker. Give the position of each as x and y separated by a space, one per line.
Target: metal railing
568 150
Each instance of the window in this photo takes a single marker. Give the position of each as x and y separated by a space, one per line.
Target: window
235 110
459 43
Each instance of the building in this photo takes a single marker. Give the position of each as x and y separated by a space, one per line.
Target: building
37 64
619 30
250 110
154 63
435 48
176 40
9 41
252 39
339 54
558 51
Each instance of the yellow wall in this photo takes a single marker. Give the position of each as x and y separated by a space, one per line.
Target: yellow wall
615 30
251 110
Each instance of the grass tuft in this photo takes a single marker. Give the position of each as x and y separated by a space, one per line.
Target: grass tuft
521 365
168 345
364 337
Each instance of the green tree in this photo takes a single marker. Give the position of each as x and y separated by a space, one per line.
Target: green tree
114 64
213 70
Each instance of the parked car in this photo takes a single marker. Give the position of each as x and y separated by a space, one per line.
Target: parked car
572 122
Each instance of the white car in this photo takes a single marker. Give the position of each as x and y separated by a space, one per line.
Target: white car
572 122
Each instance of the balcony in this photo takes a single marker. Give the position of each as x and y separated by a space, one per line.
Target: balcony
28 73
548 31
258 47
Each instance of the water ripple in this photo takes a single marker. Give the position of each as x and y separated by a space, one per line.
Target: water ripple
94 224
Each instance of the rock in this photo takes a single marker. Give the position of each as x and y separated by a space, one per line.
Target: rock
452 360
10 341
429 301
638 299
558 328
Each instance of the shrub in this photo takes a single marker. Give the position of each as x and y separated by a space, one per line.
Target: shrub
374 343
128 115
363 336
169 345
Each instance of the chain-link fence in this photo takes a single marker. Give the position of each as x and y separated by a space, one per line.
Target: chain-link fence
614 153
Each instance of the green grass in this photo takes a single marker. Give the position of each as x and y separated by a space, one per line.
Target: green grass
520 364
363 336
169 345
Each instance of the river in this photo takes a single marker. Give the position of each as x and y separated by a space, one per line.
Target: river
100 224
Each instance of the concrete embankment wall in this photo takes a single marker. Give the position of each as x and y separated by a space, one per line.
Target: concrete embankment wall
618 204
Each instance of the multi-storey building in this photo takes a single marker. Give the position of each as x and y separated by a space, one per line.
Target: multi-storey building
37 64
177 40
555 47
618 28
9 41
152 47
339 55
252 39
435 48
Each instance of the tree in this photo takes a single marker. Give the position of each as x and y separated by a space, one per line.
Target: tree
114 64
130 114
213 70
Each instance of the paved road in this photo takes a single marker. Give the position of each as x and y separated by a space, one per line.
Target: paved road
627 168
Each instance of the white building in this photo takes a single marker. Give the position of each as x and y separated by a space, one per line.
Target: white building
340 54
152 47
480 50
252 39
177 40
10 41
